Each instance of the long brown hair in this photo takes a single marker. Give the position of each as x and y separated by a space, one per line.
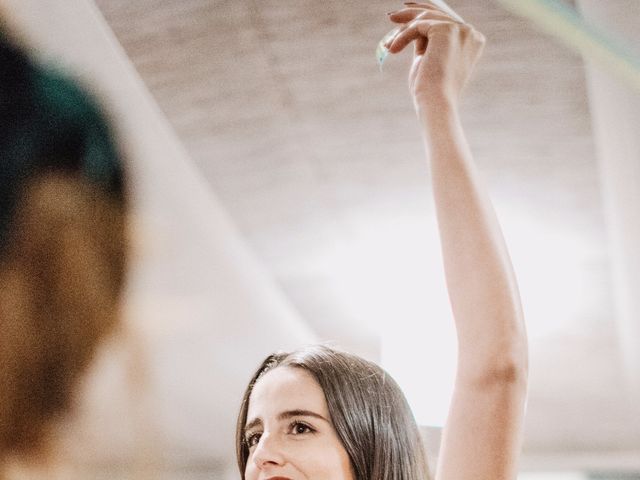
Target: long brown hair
368 410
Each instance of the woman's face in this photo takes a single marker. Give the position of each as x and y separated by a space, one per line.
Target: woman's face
289 431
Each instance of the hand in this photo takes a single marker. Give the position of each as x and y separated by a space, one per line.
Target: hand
445 52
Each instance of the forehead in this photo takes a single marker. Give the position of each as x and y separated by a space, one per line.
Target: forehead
283 389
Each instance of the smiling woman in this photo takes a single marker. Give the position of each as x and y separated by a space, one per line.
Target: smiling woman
323 414
320 414
306 436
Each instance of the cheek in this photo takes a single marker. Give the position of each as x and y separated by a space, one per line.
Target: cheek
250 472
323 461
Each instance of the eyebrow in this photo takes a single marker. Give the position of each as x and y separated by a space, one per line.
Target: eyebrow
286 415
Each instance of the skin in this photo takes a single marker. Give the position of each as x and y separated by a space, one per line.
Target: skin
289 430
482 435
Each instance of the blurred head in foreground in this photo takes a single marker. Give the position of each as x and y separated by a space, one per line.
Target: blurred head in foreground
325 414
62 245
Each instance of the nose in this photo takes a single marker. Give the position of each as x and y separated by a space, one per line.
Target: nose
268 452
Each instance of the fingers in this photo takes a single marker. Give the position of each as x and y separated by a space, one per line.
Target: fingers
418 21
439 7
407 15
418 29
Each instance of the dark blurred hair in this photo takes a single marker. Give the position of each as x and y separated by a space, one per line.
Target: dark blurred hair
48 124
368 410
62 244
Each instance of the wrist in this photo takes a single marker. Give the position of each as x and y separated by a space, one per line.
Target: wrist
435 110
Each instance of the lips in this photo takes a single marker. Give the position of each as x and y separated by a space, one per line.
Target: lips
278 478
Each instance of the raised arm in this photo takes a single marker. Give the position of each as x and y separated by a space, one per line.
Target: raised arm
481 439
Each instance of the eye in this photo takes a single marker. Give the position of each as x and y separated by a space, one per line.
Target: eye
252 439
300 428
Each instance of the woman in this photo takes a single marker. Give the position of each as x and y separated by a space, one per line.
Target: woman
62 250
320 414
